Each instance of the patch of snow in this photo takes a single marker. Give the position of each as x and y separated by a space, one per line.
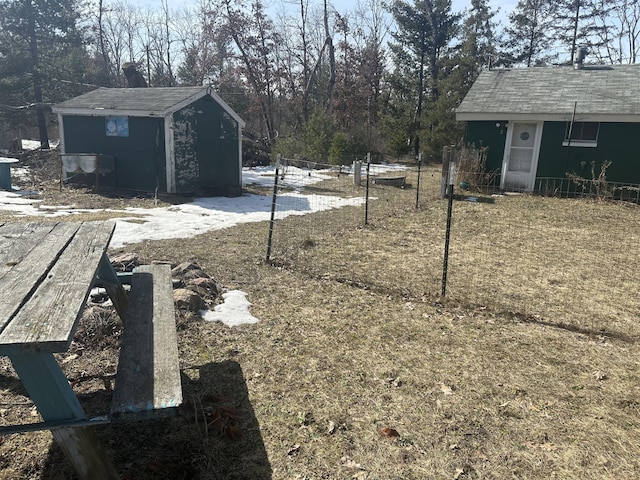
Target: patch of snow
233 312
134 225
35 144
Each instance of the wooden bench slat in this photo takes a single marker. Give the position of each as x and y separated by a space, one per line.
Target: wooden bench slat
148 379
59 293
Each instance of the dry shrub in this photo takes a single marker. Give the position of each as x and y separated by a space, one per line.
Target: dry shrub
597 186
472 169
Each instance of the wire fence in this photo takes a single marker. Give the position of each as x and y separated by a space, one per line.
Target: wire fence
388 228
340 197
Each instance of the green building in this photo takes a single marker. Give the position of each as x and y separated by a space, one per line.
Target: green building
546 123
177 140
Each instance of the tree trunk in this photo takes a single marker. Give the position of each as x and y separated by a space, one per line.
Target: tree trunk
332 60
37 79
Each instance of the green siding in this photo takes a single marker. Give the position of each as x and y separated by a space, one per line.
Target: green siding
140 157
615 143
206 149
218 151
487 134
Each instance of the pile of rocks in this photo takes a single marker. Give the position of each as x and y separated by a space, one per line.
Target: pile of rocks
193 289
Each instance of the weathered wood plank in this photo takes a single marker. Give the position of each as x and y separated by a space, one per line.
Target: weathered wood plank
148 378
16 240
28 260
61 294
108 279
83 449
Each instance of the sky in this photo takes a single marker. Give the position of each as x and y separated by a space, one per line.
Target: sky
275 6
199 216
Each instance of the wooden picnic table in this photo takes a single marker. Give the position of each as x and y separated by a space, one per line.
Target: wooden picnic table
47 271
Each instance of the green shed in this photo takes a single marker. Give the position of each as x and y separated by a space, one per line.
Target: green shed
174 139
554 122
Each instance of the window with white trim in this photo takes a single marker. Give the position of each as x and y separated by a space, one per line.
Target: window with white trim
581 134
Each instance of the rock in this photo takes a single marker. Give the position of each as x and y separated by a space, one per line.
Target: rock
187 299
183 268
204 285
194 274
125 262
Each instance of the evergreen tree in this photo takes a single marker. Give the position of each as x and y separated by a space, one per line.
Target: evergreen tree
530 32
576 25
42 54
424 32
457 73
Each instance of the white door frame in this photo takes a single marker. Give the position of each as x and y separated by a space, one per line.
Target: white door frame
535 153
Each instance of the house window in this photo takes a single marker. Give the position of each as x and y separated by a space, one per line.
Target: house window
583 134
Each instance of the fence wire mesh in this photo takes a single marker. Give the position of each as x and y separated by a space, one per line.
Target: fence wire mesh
559 261
349 205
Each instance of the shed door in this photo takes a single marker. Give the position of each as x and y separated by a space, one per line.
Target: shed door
521 156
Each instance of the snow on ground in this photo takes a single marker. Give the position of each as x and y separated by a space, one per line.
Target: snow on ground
200 216
233 312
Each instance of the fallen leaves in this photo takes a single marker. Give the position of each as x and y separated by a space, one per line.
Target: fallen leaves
394 381
331 428
219 416
598 375
390 433
349 463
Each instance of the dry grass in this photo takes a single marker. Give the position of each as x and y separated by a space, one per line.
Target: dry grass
528 369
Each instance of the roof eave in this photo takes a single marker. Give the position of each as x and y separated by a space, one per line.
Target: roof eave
103 112
107 112
547 117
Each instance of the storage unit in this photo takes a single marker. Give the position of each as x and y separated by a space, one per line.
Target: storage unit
173 139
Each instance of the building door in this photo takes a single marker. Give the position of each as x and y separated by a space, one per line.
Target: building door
521 156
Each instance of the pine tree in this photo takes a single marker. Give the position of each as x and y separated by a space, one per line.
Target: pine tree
424 32
576 25
457 73
42 54
530 32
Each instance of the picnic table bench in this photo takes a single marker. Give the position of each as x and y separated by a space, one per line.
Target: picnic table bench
47 271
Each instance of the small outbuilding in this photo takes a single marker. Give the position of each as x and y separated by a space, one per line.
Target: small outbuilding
173 139
554 122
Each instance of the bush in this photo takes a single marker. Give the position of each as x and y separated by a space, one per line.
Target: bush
318 137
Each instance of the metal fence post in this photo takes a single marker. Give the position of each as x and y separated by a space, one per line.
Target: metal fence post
418 182
366 203
273 208
445 263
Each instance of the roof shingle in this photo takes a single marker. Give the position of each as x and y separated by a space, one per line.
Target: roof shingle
553 92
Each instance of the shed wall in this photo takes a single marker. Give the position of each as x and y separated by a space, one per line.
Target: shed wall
140 157
615 143
206 149
487 134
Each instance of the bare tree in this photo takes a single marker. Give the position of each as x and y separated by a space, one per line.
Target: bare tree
205 46
617 35
255 38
